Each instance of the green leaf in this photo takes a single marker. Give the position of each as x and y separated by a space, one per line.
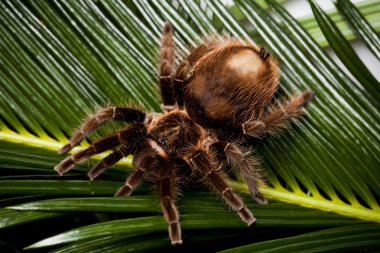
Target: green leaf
369 9
94 204
128 226
347 238
193 203
193 221
58 187
345 52
119 244
10 218
360 26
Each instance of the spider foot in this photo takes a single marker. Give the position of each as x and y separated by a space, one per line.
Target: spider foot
264 54
251 221
254 128
65 165
65 149
307 96
260 199
125 190
168 28
177 242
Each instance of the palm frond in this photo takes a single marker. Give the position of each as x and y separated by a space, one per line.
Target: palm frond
60 60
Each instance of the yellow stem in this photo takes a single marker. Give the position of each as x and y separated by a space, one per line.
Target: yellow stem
335 206
47 143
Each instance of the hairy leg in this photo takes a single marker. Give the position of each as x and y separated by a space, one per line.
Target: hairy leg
130 137
166 68
145 160
109 161
167 192
215 178
131 183
232 154
278 116
95 121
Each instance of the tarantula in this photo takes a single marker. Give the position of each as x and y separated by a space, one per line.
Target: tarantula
217 97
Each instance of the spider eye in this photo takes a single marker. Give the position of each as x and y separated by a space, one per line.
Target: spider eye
161 141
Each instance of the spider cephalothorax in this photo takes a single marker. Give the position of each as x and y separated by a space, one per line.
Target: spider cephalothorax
219 95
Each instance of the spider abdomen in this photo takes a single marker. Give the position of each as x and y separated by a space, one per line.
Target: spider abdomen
230 85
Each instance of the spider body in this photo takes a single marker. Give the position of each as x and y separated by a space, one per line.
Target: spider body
175 132
219 95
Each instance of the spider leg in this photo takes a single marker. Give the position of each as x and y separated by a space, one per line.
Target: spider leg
172 88
144 161
130 136
108 161
232 154
278 116
215 178
149 164
180 81
94 122
132 182
166 67
167 193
